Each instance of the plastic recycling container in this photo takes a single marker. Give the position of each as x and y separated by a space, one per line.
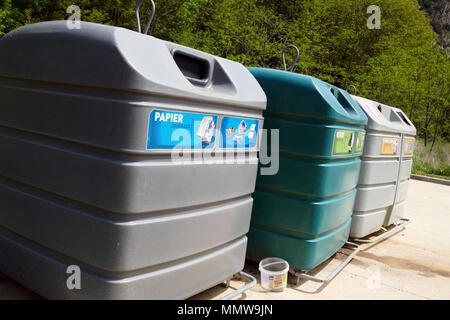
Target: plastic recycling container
274 274
385 169
89 120
303 213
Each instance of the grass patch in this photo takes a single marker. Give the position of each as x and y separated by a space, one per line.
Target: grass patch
434 163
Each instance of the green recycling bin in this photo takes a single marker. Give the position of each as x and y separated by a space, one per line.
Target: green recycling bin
303 213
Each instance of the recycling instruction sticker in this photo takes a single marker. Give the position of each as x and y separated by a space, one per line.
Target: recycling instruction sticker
389 146
239 133
343 142
173 129
185 130
409 147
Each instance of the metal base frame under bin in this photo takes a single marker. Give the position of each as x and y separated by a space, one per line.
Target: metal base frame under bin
334 273
387 234
241 290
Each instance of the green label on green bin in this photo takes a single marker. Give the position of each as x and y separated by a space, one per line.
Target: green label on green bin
359 141
343 142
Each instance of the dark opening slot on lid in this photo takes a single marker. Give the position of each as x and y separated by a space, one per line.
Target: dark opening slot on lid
379 108
403 117
195 69
333 91
342 100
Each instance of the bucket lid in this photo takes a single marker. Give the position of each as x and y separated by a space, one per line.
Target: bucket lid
273 265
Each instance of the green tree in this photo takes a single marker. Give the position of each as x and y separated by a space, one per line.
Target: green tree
400 64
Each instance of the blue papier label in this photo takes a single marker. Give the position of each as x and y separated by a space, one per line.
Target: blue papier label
239 133
181 130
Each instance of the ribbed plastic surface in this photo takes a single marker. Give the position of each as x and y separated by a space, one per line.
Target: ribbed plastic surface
88 122
385 169
303 213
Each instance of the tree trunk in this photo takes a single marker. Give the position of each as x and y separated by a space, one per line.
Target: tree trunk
434 136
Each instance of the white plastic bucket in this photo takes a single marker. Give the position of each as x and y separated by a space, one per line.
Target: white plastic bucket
274 273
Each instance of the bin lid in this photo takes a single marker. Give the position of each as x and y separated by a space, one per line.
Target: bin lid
385 118
294 93
120 59
408 126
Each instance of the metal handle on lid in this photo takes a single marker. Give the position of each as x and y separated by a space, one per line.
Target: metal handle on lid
138 19
295 60
355 91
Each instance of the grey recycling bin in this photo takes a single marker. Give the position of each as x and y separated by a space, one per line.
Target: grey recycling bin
88 122
385 169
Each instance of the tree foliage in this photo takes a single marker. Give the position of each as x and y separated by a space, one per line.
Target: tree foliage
400 64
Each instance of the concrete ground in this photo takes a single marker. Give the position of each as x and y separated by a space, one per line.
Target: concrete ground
413 264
